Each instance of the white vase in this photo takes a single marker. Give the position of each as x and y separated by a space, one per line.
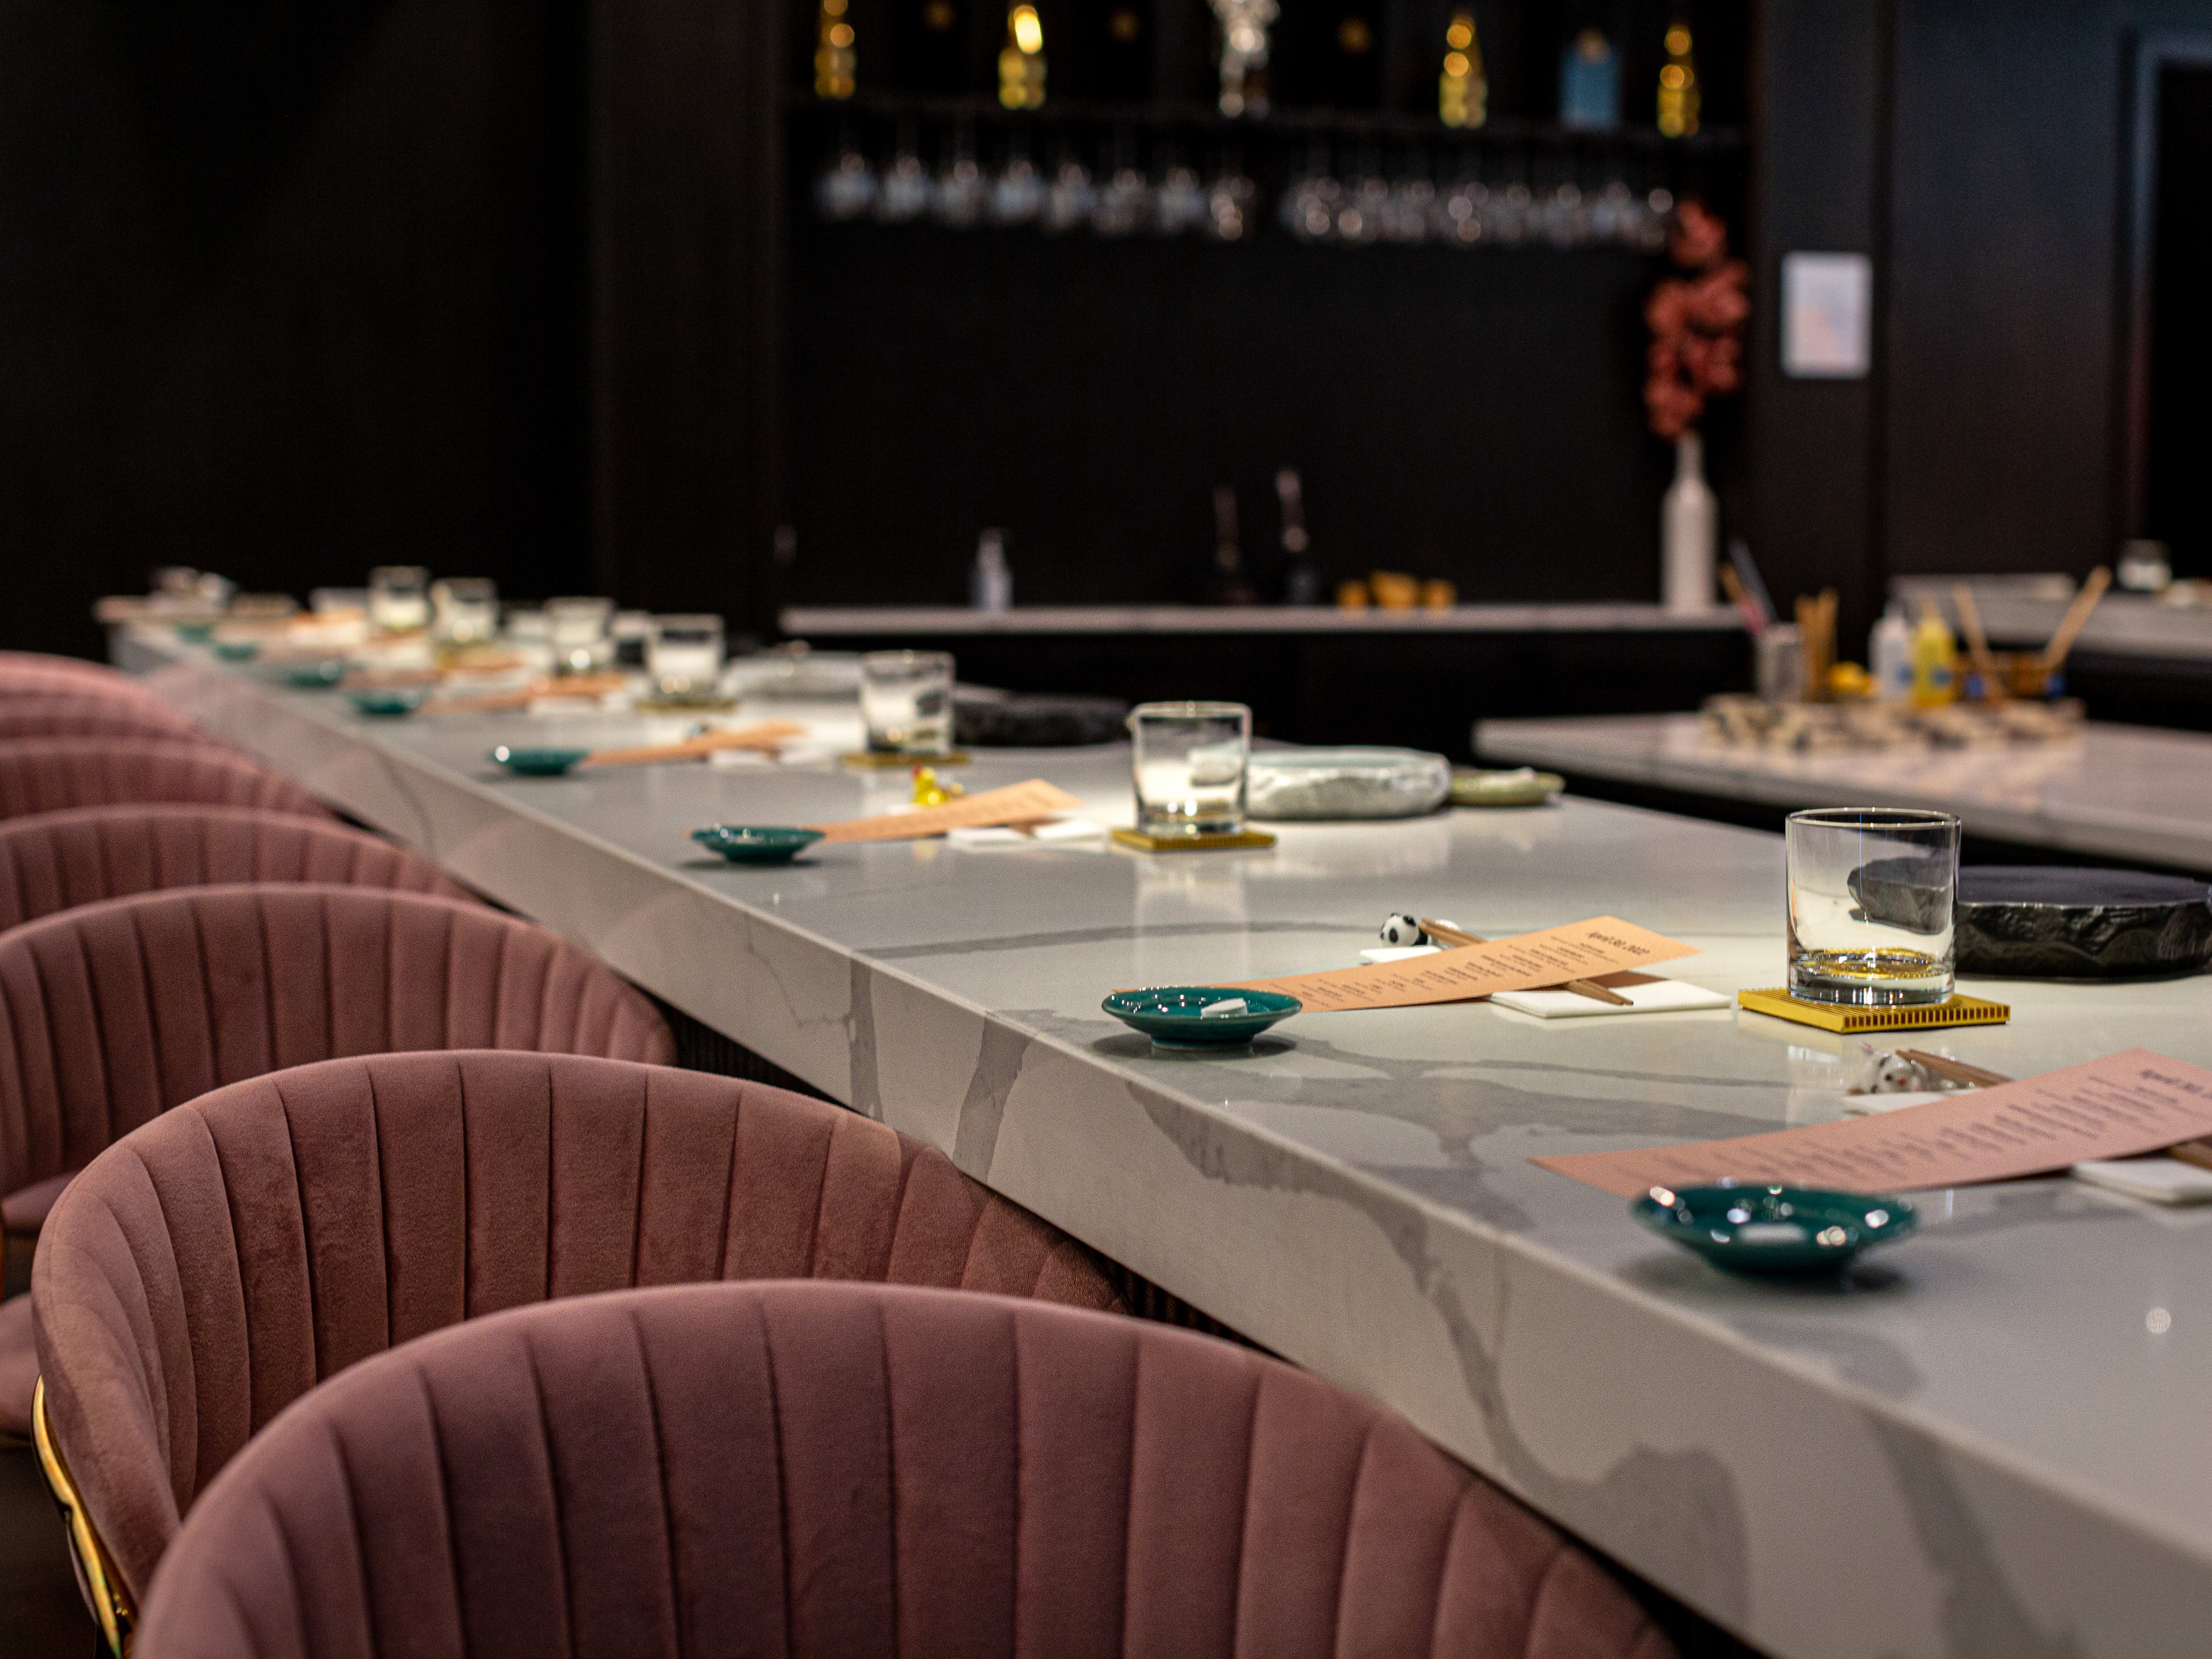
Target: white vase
1689 531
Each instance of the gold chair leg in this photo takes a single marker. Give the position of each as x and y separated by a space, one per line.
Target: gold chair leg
95 1573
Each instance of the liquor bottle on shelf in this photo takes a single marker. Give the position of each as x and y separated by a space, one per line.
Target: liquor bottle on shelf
1021 61
1244 50
1679 96
836 57
929 45
1229 585
1462 90
1589 83
1113 56
1301 579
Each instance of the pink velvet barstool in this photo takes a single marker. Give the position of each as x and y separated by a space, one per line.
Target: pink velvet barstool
93 714
113 1013
826 1471
52 774
223 1259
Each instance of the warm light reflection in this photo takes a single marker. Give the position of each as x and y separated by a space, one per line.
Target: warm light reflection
1028 32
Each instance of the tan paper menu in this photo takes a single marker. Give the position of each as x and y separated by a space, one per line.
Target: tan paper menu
2118 1107
1525 961
1018 803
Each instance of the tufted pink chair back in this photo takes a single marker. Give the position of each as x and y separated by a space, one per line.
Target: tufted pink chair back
829 1472
34 671
52 861
216 1263
92 714
51 774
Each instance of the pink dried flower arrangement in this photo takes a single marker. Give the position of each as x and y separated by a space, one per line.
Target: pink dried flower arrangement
1697 324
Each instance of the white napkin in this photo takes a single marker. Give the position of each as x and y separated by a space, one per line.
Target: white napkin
1662 996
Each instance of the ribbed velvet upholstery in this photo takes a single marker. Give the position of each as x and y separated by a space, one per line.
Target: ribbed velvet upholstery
114 1012
52 861
834 1471
31 673
91 713
51 774
213 1265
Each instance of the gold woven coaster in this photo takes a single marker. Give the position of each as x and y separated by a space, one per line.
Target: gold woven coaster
871 760
1137 841
1849 1018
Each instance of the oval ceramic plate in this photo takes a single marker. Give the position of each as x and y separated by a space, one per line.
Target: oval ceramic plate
307 676
388 702
1754 1229
1523 787
756 843
1173 1015
538 763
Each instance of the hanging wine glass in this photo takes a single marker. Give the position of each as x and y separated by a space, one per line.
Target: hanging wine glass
1309 205
1458 219
1611 212
846 189
1017 193
902 194
1070 198
1179 203
1366 203
1125 201
961 189
1412 201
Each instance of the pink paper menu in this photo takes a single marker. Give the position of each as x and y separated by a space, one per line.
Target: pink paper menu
1603 945
2121 1106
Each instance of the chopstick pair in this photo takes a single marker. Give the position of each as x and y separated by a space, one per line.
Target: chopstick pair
492 703
765 735
1583 988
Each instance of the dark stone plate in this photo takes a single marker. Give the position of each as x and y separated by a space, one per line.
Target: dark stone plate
2052 922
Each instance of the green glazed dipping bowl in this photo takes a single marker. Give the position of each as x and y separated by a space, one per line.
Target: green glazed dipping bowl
1171 1014
538 763
194 632
756 843
309 676
237 650
388 702
1781 1231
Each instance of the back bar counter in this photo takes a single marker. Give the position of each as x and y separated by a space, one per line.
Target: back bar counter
1989 1443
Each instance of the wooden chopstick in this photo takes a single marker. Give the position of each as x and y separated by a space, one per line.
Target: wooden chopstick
765 734
1583 988
2077 619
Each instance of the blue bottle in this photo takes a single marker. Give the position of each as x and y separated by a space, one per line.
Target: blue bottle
1589 83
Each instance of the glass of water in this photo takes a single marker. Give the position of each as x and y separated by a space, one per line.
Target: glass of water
1186 760
465 612
579 630
684 656
906 702
398 599
1871 896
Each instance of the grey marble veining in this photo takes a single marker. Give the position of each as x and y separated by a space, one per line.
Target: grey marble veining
1978 1443
2124 792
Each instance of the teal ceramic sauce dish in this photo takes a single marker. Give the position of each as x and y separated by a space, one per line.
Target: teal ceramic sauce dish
538 763
756 843
237 650
315 676
1175 1017
195 633
1782 1231
388 702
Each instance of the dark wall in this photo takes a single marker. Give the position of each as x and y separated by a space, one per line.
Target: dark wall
287 292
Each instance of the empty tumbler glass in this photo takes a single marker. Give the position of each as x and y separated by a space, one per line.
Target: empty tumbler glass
1871 893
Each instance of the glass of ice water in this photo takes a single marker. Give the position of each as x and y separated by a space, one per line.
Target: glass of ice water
1188 763
1872 890
684 656
906 702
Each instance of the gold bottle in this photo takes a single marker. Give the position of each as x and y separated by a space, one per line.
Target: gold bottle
1677 86
1462 92
1021 64
836 59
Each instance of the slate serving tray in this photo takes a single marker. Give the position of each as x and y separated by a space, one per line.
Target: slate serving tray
2053 921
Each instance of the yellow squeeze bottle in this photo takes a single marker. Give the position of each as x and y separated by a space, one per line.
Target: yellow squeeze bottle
1935 660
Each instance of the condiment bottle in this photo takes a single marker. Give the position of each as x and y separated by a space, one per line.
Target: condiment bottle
1935 660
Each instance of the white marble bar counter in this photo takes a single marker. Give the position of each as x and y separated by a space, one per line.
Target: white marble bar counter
1989 1442
2121 792
877 622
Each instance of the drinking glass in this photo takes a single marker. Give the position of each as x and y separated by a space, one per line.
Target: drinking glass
398 599
578 628
906 702
685 655
1871 892
465 612
1187 761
